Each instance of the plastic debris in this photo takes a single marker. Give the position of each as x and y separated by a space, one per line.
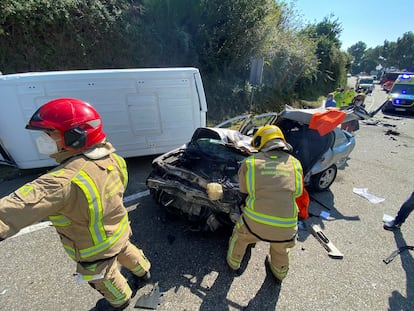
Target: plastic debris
325 215
150 300
363 192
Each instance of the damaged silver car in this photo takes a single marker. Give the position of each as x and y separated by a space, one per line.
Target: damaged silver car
199 179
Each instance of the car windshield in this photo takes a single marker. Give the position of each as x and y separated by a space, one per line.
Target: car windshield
403 89
247 122
392 75
366 81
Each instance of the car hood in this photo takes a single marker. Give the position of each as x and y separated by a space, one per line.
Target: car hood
402 96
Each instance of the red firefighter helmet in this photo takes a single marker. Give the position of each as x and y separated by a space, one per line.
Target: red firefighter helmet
79 124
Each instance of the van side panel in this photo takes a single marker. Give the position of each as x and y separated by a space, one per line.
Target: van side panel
17 105
144 111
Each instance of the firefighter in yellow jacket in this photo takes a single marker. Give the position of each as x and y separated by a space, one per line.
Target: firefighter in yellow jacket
82 197
273 182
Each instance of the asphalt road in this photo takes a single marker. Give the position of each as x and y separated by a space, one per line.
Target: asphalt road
191 270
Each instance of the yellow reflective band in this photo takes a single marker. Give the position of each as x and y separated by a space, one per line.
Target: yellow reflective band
87 277
250 182
138 270
239 223
60 220
142 265
26 189
96 249
235 263
298 178
299 184
285 222
119 297
123 167
70 251
91 267
91 192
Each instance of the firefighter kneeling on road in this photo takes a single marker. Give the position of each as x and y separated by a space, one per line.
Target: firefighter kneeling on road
82 197
273 182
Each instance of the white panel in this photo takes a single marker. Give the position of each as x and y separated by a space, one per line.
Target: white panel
163 83
61 86
143 114
30 88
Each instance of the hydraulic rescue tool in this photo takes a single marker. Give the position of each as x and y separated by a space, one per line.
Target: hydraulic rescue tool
317 232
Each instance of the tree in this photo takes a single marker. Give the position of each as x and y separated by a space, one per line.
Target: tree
331 61
357 51
403 55
38 35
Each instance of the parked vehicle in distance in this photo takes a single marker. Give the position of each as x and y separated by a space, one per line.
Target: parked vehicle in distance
388 78
180 179
365 84
400 99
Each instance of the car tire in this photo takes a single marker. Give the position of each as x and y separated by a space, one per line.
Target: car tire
323 180
387 107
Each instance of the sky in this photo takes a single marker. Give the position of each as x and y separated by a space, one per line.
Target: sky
369 21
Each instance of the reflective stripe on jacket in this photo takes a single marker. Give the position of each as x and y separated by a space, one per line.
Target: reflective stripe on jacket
101 190
273 180
83 198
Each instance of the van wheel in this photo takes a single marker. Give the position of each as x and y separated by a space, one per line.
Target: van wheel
323 180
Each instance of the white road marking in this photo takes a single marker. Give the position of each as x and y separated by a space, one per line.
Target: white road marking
135 196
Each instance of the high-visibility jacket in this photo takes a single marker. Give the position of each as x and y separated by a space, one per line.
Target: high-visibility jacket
349 96
339 98
83 198
273 181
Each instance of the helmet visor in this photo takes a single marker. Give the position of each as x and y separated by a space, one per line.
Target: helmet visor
37 123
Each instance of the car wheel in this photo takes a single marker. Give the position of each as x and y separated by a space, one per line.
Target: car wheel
387 107
323 180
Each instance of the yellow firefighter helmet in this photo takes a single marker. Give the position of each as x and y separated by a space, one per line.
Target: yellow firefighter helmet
265 134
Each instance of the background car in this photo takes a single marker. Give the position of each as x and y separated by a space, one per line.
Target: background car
400 99
388 78
365 84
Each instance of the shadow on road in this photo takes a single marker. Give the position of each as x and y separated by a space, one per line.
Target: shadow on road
185 260
397 301
266 297
323 202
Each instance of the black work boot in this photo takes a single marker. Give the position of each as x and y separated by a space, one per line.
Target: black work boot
391 225
104 305
269 271
146 276
136 281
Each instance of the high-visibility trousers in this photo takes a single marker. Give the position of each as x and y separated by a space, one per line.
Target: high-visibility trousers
279 252
113 286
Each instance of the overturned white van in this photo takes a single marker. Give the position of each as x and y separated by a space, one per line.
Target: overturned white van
144 111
